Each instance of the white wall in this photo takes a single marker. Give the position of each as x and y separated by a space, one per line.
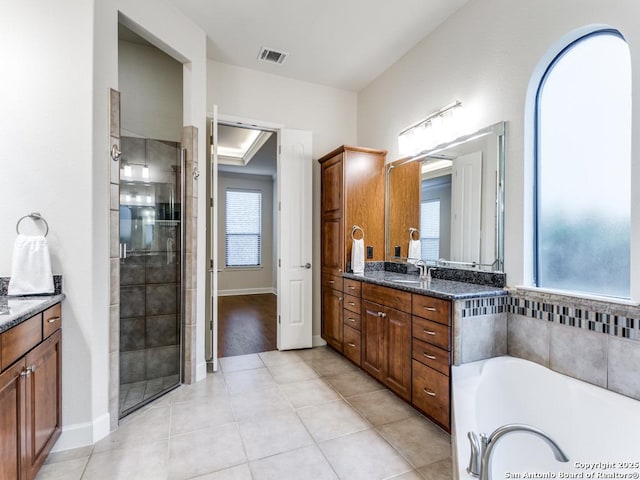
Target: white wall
150 84
54 96
247 280
46 132
485 56
327 112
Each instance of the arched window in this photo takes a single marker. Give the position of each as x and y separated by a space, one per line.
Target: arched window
583 168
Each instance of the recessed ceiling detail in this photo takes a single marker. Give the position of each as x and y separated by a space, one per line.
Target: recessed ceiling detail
272 56
237 146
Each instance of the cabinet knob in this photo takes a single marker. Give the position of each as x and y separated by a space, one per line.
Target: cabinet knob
382 314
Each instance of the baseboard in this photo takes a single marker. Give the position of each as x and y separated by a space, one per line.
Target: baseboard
317 341
247 291
201 371
83 434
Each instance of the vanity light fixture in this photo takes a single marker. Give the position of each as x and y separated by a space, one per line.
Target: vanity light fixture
437 128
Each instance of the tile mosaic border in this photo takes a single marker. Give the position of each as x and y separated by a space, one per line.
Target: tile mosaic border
484 306
586 317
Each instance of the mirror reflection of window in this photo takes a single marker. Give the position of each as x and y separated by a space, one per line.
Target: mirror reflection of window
430 233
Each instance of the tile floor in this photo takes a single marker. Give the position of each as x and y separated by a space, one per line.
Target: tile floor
303 415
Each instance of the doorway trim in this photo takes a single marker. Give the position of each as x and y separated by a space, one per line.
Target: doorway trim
211 296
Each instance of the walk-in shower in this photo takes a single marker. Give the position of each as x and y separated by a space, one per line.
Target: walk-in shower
151 240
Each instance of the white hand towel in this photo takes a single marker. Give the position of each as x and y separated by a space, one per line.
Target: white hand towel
414 251
30 266
357 256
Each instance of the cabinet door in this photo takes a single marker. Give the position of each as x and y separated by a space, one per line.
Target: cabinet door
332 317
373 344
332 246
11 422
43 401
332 186
397 372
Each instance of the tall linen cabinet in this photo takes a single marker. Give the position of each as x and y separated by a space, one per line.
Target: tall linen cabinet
352 195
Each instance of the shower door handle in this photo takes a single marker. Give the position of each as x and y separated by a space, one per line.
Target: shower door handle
123 250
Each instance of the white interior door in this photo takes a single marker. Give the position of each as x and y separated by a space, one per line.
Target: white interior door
294 185
213 212
466 208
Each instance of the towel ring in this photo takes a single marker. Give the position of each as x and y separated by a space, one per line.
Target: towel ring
34 216
354 229
412 231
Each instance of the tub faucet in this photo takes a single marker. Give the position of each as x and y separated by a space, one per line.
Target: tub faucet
482 447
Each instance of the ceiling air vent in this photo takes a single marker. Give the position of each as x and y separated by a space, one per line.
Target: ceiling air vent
272 56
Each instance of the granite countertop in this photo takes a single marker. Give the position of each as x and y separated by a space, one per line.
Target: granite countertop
15 310
446 289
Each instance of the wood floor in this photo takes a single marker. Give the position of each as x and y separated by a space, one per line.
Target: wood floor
246 324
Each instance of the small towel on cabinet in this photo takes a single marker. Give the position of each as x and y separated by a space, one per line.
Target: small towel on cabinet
30 266
414 251
357 256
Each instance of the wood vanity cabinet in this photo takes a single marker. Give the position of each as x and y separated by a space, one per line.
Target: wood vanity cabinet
332 299
352 193
431 353
386 343
30 393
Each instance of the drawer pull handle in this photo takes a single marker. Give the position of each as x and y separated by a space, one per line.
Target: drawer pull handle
351 287
352 304
352 320
430 357
431 394
351 344
431 309
382 314
53 319
429 332
331 282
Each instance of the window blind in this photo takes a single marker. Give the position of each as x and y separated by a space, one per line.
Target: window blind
430 230
243 236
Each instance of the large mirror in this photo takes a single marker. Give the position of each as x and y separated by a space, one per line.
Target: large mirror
446 205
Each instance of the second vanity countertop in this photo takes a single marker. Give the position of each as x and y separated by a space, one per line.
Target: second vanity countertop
15 310
445 289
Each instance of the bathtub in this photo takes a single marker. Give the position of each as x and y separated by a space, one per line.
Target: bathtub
598 430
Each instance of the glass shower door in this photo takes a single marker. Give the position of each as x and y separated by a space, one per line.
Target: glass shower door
150 270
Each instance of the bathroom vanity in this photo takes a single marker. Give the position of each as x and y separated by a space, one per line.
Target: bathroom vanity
406 333
30 382
403 331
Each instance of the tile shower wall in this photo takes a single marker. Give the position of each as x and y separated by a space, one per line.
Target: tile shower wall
149 316
594 341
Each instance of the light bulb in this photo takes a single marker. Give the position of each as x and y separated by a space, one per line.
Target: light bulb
127 170
145 171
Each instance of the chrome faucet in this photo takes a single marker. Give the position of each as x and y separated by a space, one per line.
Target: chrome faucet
482 447
422 267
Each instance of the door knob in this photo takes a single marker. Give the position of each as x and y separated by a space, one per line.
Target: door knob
306 265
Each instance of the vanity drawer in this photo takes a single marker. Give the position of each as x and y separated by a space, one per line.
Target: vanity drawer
389 297
431 393
352 319
352 287
51 320
431 332
331 281
431 308
352 345
431 356
352 303
20 339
